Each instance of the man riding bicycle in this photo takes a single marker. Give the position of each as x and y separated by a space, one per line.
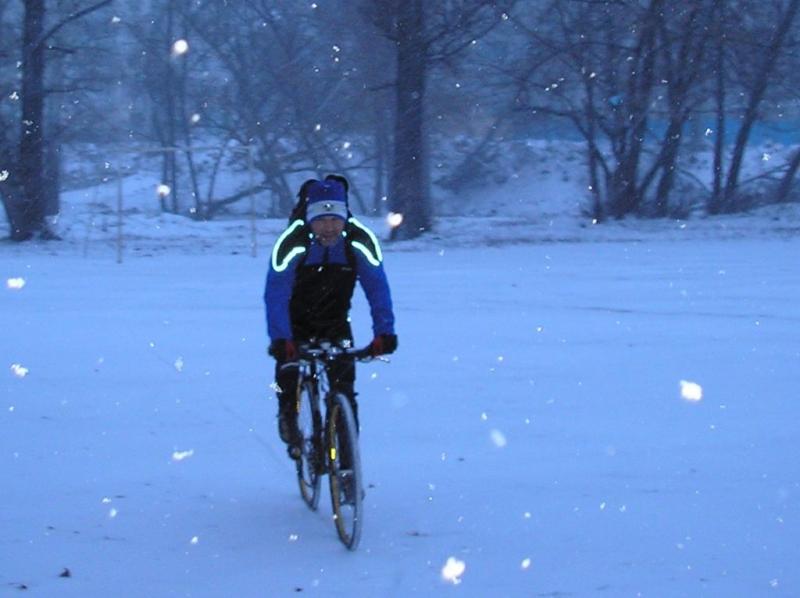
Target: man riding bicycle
312 275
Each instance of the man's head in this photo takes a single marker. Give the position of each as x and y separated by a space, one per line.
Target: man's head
327 230
326 212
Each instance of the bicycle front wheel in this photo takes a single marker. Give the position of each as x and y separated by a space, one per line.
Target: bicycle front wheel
345 471
309 422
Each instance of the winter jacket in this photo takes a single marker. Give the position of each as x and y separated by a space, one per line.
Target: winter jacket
309 287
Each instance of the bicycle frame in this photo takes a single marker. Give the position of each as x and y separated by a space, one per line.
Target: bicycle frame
315 358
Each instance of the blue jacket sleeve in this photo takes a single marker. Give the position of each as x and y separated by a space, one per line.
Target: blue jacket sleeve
376 287
280 280
277 295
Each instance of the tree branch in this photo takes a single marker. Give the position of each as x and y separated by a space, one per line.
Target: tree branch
68 19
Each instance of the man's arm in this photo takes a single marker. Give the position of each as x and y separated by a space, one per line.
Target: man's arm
371 275
280 280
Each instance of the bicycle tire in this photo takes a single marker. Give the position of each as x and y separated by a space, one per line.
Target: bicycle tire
309 422
342 438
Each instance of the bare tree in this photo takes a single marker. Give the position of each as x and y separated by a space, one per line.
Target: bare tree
682 57
23 192
611 53
634 79
425 35
787 181
285 89
164 78
755 93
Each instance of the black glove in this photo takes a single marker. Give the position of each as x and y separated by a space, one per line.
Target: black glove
383 344
283 349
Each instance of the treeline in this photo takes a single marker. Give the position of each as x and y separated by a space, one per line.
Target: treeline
633 77
375 88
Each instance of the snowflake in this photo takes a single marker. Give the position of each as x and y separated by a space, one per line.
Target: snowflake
453 570
691 391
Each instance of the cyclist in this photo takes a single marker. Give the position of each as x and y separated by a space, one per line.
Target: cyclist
312 275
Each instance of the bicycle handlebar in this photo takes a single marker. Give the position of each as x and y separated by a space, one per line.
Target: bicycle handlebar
326 350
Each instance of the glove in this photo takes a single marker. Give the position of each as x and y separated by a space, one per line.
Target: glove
283 349
383 344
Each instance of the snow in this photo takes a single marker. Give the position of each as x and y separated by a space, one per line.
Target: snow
574 409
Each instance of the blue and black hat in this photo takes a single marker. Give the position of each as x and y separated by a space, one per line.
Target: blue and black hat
326 198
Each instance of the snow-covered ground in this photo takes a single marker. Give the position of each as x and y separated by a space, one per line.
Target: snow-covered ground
575 410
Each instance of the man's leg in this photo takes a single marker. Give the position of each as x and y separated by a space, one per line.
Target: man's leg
286 379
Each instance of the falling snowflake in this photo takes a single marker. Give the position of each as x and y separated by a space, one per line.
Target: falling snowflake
394 219
453 570
194 540
179 364
180 47
15 284
181 455
526 564
18 370
3 175
498 438
691 391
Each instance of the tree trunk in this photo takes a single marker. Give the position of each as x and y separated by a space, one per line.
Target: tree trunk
759 88
598 211
626 196
186 130
31 147
668 159
410 193
381 155
172 136
12 196
715 204
788 178
51 187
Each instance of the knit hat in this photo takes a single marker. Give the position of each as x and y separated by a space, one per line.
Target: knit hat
326 198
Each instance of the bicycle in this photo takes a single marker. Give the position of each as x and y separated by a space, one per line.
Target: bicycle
329 439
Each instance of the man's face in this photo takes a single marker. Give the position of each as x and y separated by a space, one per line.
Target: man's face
327 229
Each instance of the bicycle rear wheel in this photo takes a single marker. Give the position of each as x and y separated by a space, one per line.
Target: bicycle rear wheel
345 471
309 422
